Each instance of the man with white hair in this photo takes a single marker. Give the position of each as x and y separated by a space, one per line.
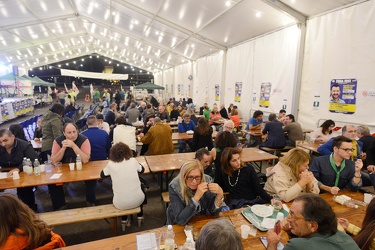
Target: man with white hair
229 126
163 114
141 107
347 131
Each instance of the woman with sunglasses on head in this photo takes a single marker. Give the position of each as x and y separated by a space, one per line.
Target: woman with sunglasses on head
192 193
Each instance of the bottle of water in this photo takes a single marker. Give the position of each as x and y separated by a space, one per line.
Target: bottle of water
350 203
29 167
36 168
189 245
24 166
78 162
169 238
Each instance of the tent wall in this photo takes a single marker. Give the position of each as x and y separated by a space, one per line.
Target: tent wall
183 84
207 74
168 83
339 45
270 58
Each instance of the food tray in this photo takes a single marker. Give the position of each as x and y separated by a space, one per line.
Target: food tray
257 221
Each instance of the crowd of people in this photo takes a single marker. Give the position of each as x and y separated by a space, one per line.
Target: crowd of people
198 189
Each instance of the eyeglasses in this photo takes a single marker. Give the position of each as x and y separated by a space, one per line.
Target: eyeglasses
348 150
191 178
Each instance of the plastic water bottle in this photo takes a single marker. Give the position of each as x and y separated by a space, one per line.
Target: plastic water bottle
36 168
189 245
29 167
350 203
169 238
24 166
78 162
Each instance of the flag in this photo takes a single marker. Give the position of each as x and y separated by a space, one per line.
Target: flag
66 89
74 87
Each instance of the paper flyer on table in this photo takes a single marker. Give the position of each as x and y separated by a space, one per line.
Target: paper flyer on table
3 175
55 176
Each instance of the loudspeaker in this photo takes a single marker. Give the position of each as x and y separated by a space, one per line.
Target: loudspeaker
15 70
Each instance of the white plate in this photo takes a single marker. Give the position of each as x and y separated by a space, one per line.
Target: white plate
262 210
190 132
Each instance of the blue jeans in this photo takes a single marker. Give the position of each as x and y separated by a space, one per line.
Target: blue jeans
182 145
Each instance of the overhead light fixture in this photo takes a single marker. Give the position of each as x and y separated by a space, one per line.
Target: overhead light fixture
227 3
258 14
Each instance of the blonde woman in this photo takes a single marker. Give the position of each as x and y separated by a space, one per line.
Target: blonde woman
290 176
192 193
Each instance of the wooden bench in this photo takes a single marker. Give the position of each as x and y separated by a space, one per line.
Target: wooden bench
165 198
76 215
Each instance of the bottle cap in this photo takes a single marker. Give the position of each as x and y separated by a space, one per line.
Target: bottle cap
169 227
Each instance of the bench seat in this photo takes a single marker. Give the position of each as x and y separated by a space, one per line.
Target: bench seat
76 215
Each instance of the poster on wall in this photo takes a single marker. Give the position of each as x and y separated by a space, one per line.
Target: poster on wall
179 89
342 97
237 91
217 92
265 91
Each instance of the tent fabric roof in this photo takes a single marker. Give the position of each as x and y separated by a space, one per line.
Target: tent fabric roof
12 77
36 81
148 85
149 34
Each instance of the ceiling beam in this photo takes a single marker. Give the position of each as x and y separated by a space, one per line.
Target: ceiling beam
300 18
36 22
157 46
154 58
42 42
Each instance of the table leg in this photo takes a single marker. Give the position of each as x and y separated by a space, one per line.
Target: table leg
161 181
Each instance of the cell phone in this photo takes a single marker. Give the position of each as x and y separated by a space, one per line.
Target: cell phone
277 227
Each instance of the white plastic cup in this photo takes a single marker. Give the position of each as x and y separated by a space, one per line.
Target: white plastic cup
245 230
253 230
368 197
42 168
58 167
71 166
279 216
16 175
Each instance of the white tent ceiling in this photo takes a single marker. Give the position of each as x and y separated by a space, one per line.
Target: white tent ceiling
149 34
